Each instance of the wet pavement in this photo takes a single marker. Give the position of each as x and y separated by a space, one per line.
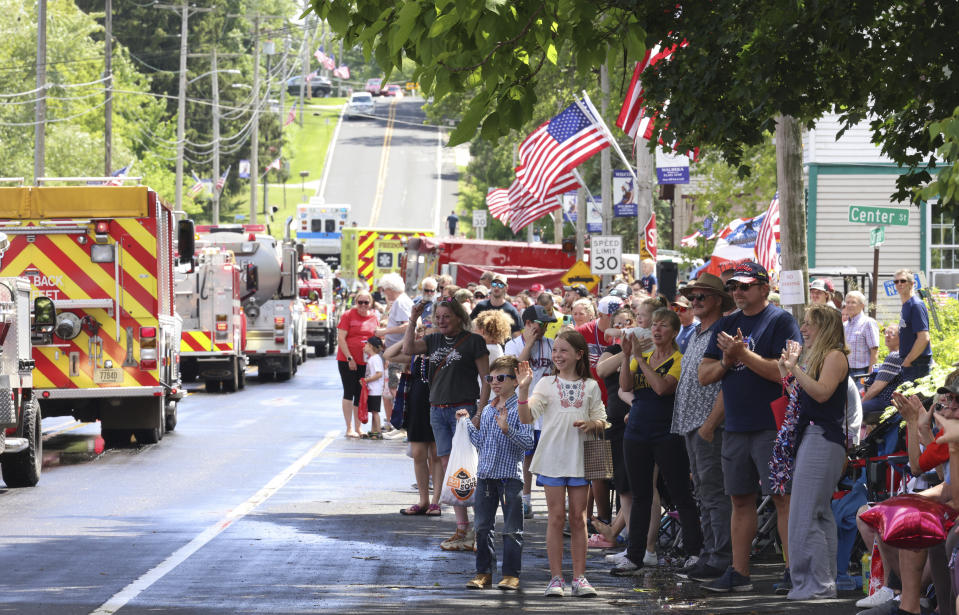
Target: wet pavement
257 504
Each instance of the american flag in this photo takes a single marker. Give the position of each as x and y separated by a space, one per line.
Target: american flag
222 181
526 208
636 120
197 186
328 62
691 240
497 200
291 116
343 72
556 147
766 254
310 77
276 164
118 176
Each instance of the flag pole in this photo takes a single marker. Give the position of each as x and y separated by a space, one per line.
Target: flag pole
609 135
582 183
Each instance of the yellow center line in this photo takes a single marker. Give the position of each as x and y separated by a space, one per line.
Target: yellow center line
384 165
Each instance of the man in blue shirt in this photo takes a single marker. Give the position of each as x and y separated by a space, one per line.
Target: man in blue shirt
743 356
914 346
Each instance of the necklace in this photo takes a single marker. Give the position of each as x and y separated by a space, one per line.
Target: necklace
570 393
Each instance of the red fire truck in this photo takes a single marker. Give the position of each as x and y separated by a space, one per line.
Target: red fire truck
465 260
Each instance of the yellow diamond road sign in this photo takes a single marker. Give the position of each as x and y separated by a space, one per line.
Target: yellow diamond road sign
580 274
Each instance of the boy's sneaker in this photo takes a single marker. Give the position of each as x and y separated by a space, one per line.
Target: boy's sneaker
785 586
556 588
701 571
625 568
527 510
650 559
582 588
881 596
731 581
615 558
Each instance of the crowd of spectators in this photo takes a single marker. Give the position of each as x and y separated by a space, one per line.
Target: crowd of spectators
717 396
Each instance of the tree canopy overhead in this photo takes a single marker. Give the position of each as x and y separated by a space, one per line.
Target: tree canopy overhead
746 62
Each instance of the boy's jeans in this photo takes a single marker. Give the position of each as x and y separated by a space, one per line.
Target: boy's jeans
489 493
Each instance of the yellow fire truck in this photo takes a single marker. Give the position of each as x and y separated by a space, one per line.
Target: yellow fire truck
366 253
105 256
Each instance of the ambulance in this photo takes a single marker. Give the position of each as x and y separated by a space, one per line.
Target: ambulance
105 256
368 253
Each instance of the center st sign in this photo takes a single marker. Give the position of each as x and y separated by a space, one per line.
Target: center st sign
892 216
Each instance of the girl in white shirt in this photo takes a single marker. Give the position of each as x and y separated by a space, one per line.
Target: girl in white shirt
571 406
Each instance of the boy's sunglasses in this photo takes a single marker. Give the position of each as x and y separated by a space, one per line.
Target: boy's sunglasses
362 303
499 378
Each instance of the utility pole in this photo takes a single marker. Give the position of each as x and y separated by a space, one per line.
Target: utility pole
792 210
216 136
108 90
255 134
269 50
645 169
39 132
181 106
304 62
580 223
605 165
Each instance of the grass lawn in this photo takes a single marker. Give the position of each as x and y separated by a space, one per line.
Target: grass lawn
305 151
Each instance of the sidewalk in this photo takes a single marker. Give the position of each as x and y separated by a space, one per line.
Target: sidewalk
390 562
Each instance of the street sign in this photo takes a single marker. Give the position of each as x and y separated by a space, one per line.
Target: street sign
892 216
877 236
479 218
890 287
580 274
606 254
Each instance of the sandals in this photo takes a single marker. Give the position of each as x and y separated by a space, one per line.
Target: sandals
413 510
372 435
433 511
598 541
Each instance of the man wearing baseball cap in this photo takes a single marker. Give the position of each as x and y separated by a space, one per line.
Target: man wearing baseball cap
596 339
497 301
692 410
820 291
742 355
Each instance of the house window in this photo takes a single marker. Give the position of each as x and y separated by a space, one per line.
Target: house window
944 244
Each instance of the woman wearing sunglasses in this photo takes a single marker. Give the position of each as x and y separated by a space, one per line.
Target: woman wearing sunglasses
357 325
456 358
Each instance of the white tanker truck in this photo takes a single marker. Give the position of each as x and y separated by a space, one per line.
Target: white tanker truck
275 319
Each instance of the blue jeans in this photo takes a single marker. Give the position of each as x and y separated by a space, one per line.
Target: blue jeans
918 369
443 422
491 492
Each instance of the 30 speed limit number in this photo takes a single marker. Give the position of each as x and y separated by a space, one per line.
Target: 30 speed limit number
606 255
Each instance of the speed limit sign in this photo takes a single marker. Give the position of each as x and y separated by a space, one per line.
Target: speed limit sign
606 255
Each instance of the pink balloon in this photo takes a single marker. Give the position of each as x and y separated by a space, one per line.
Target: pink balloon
910 521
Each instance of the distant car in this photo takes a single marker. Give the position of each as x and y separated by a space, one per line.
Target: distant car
373 86
361 104
318 86
393 90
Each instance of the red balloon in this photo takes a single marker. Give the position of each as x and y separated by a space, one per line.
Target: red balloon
910 521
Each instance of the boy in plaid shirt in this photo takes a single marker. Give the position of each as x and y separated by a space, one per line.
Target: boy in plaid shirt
502 441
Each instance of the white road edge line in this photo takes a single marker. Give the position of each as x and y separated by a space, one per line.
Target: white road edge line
134 589
329 154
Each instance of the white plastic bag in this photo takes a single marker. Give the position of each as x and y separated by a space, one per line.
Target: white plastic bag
459 484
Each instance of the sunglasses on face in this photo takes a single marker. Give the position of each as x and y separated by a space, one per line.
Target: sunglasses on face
897 282
499 378
429 290
697 297
679 309
497 285
479 296
734 286
945 401
363 302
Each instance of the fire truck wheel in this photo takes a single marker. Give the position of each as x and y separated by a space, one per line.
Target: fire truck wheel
213 386
188 372
153 434
321 350
231 384
289 371
265 375
115 438
23 469
170 416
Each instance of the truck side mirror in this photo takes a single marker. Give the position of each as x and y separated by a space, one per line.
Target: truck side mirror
44 314
252 277
186 240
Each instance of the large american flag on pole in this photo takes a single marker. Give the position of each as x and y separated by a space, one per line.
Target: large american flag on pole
197 186
766 253
222 181
558 146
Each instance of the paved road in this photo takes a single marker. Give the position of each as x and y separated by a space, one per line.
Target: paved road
392 169
257 504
